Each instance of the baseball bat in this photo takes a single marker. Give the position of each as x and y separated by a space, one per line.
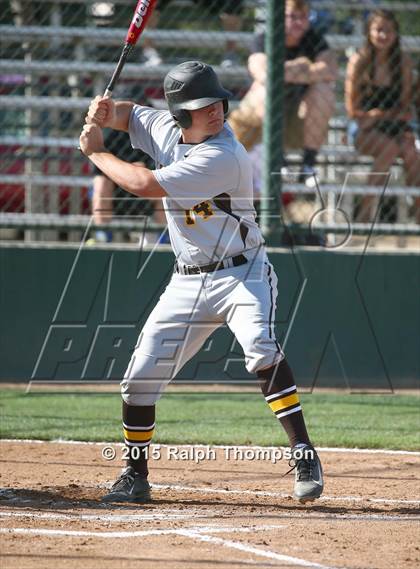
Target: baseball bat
142 13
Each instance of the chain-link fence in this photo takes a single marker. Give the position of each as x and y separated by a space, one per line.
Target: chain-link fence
349 107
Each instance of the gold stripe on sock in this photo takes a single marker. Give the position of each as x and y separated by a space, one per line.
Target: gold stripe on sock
284 402
138 435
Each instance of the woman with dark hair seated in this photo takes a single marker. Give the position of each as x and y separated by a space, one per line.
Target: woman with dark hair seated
379 91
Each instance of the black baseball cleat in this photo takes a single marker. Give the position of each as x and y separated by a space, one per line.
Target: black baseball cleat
129 487
309 482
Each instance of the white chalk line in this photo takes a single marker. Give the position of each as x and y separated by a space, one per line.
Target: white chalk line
137 533
256 448
254 550
191 516
265 493
109 518
262 493
194 533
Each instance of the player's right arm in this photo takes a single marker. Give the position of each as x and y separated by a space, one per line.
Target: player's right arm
137 180
107 113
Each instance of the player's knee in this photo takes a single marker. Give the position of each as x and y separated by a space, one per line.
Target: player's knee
142 390
144 380
261 354
133 394
263 362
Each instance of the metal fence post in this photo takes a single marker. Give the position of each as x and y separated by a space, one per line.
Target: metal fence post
273 127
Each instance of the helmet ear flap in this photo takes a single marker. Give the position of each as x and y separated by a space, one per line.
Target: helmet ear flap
225 107
183 118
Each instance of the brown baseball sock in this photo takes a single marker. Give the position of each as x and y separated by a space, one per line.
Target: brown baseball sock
279 389
138 427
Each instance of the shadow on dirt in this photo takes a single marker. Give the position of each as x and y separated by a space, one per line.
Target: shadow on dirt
204 562
75 497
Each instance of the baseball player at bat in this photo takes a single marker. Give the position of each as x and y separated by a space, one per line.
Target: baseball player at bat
221 275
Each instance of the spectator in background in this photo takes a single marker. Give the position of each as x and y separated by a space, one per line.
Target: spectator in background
378 93
230 12
309 93
105 193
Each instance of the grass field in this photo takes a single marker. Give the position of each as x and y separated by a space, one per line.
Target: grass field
363 421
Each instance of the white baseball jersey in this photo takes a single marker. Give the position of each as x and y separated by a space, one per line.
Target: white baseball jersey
210 213
209 207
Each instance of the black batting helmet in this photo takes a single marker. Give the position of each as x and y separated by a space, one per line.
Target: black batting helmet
192 85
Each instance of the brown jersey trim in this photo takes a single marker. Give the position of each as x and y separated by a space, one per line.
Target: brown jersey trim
223 202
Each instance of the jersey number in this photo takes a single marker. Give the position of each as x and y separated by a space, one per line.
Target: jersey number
203 209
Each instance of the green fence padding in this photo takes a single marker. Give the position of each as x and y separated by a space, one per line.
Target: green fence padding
344 319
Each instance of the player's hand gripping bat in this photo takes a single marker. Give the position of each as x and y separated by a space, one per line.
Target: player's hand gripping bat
141 15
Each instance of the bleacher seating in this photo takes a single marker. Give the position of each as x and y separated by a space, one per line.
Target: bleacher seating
21 83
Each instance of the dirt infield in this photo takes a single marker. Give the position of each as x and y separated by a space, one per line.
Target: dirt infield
218 513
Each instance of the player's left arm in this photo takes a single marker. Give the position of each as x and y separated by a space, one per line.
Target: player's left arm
206 173
131 177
